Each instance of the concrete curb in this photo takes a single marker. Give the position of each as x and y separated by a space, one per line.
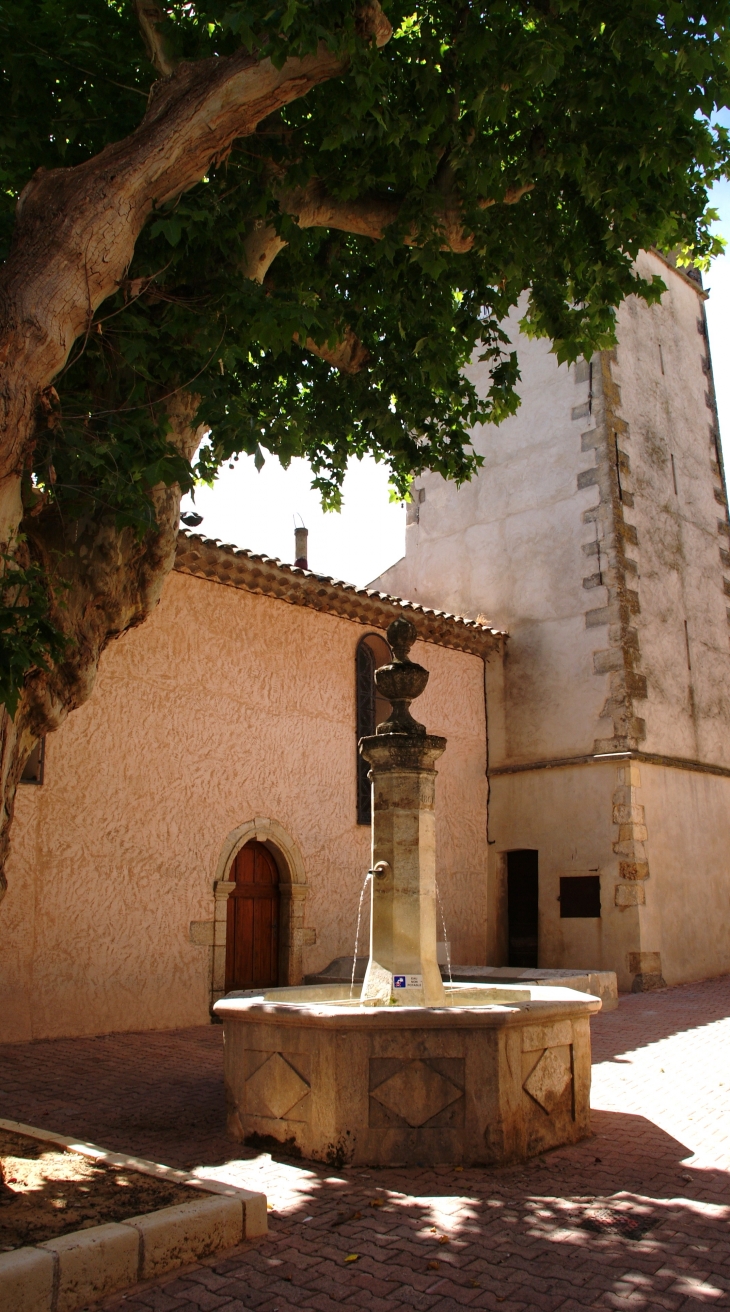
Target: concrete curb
61 1275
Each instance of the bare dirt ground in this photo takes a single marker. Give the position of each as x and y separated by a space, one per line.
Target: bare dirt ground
50 1192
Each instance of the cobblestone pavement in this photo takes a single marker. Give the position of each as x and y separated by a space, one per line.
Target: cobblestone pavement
635 1217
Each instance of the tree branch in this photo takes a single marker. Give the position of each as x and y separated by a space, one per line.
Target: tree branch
349 355
76 228
311 207
149 16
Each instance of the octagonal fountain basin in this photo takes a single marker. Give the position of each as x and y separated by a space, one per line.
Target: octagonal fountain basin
496 1075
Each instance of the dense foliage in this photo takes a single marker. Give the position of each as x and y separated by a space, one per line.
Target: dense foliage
603 107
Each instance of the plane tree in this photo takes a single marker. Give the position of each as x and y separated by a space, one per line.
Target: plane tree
283 228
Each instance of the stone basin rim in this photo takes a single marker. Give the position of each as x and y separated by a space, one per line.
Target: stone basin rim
495 1015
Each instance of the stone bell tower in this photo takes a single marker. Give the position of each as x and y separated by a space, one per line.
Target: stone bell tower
597 535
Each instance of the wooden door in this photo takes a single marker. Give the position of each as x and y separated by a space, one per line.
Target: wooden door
252 934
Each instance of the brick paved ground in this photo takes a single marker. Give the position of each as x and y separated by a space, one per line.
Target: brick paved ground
518 1238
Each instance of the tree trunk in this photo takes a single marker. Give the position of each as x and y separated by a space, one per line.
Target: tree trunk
106 581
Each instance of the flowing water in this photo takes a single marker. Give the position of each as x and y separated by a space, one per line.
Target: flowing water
447 946
367 879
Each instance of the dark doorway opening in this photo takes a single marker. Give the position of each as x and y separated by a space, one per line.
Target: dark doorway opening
522 907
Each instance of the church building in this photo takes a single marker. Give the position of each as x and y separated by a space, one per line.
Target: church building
202 823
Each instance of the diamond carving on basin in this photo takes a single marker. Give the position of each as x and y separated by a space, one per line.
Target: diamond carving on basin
275 1088
416 1093
548 1080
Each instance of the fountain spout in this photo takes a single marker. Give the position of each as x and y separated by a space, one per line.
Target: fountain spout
403 967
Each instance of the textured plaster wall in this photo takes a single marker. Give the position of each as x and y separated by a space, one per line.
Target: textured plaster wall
664 391
508 546
689 888
566 815
224 706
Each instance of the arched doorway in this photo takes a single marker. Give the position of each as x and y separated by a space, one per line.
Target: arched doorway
252 929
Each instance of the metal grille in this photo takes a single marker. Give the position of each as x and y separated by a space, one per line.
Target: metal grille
365 690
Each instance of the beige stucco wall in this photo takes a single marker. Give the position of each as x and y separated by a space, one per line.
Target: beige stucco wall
224 706
688 823
664 389
567 815
508 546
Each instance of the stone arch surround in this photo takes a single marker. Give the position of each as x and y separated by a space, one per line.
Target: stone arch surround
292 890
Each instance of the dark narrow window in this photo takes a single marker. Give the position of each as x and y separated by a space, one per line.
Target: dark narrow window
372 709
522 903
33 768
580 897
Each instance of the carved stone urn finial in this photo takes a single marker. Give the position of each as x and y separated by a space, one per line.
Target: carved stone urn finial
402 681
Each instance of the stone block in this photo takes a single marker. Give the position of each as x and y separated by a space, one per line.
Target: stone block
645 963
629 895
174 1236
546 1036
628 815
587 478
93 1263
636 684
625 795
645 983
26 1280
594 618
255 1217
202 933
634 869
604 662
627 836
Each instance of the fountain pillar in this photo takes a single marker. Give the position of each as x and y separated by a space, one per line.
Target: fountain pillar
403 968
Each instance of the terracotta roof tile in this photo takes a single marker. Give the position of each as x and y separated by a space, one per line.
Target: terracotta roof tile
208 558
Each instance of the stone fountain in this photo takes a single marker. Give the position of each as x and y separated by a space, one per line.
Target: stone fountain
404 1069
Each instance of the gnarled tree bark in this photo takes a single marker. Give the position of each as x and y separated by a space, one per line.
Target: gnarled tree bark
105 581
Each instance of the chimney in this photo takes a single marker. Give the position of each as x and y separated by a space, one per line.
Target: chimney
300 547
